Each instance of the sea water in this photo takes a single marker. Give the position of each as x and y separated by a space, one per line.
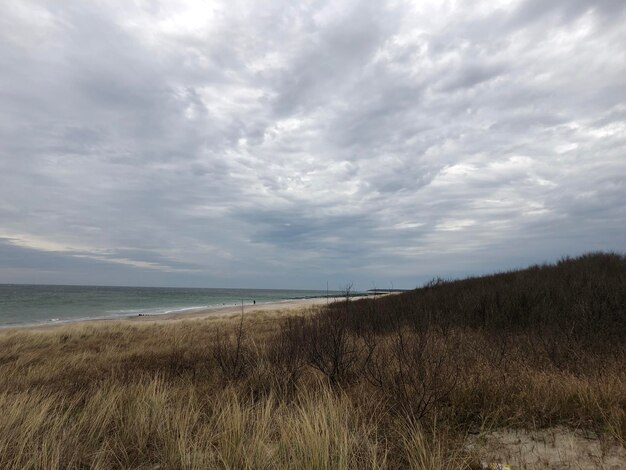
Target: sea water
39 304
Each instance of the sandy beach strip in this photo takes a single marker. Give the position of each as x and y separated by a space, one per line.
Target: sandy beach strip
282 306
278 307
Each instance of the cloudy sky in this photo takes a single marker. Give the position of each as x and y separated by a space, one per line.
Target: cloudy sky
283 144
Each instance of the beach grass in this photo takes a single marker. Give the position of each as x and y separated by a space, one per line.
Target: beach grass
422 380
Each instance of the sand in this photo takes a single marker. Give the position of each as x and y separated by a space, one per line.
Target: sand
555 448
280 307
285 305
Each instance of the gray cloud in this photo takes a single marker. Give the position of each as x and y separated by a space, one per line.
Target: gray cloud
283 144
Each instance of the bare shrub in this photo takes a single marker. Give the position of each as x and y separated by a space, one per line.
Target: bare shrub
415 370
330 348
287 355
231 354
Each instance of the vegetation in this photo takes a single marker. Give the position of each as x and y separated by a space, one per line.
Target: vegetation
399 381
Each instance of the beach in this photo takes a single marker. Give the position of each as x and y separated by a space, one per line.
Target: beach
44 305
420 379
278 307
283 307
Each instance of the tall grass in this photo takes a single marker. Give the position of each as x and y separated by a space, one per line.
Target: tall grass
154 423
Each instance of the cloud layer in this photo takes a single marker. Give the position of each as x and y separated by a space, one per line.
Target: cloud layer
281 144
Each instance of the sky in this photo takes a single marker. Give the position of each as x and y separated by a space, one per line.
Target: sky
283 144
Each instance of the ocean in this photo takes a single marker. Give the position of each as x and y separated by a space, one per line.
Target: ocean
40 305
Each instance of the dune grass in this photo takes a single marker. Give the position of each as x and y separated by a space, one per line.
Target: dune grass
405 381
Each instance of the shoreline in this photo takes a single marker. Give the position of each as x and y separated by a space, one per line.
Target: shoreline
231 310
190 314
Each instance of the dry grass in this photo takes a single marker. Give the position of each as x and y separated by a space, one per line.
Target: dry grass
320 389
141 395
144 395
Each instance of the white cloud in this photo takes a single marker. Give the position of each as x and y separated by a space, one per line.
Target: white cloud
210 143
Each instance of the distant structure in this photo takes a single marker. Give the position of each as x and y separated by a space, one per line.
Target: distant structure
384 291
